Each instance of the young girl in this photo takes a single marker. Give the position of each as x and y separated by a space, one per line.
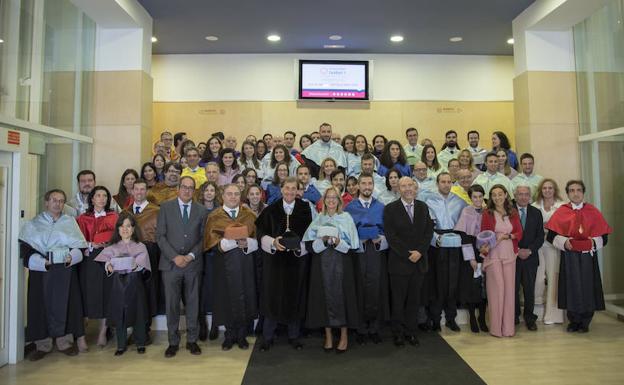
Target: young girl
128 301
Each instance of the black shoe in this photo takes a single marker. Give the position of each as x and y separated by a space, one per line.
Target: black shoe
399 341
531 326
436 327
70 351
193 348
375 338
452 325
483 325
360 339
413 340
424 327
573 327
341 351
242 343
266 346
119 352
171 351
474 327
258 330
227 344
214 332
295 343
37 355
583 329
141 350
203 330
328 350
516 322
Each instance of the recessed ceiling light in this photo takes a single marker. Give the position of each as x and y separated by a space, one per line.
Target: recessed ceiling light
274 38
1 41
154 39
510 41
335 37
334 46
396 38
211 38
456 39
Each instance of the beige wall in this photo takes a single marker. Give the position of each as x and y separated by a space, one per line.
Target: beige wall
546 121
122 120
200 119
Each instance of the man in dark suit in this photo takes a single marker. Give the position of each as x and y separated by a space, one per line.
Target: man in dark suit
179 233
408 228
528 259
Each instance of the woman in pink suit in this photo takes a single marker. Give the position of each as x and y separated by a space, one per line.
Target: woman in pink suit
499 262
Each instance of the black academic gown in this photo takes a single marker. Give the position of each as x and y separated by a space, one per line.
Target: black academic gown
154 289
472 289
372 283
284 274
127 304
54 306
235 302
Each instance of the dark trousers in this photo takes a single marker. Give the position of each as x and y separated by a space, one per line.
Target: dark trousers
405 299
370 327
448 304
176 281
582 319
139 331
235 333
269 326
526 273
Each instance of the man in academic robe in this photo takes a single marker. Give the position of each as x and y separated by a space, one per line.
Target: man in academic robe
284 264
235 302
322 149
528 257
426 184
367 164
450 149
194 170
444 258
478 153
527 177
371 261
79 203
413 149
579 230
310 193
146 215
167 189
50 247
179 232
408 229
491 176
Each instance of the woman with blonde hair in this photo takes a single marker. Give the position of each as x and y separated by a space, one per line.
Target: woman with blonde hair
328 165
466 162
548 200
332 301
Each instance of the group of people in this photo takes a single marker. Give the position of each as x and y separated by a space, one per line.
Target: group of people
334 236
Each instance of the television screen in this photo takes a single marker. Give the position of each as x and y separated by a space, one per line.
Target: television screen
333 79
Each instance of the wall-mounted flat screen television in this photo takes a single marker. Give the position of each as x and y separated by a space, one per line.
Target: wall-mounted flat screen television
333 80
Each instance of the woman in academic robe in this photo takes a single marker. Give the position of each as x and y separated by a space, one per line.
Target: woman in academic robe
127 263
499 262
470 275
392 187
332 299
210 197
273 189
393 156
98 226
124 194
328 165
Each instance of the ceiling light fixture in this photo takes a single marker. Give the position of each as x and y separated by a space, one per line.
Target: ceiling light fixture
154 39
274 38
1 41
334 46
335 37
211 38
456 39
510 41
396 38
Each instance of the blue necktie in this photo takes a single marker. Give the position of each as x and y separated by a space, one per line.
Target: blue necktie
185 214
366 204
233 213
523 216
137 210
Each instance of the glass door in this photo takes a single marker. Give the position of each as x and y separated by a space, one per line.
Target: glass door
5 215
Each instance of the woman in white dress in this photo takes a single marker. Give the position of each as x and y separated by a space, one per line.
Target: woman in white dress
548 201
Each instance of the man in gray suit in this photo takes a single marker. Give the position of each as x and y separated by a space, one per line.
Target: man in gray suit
179 232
